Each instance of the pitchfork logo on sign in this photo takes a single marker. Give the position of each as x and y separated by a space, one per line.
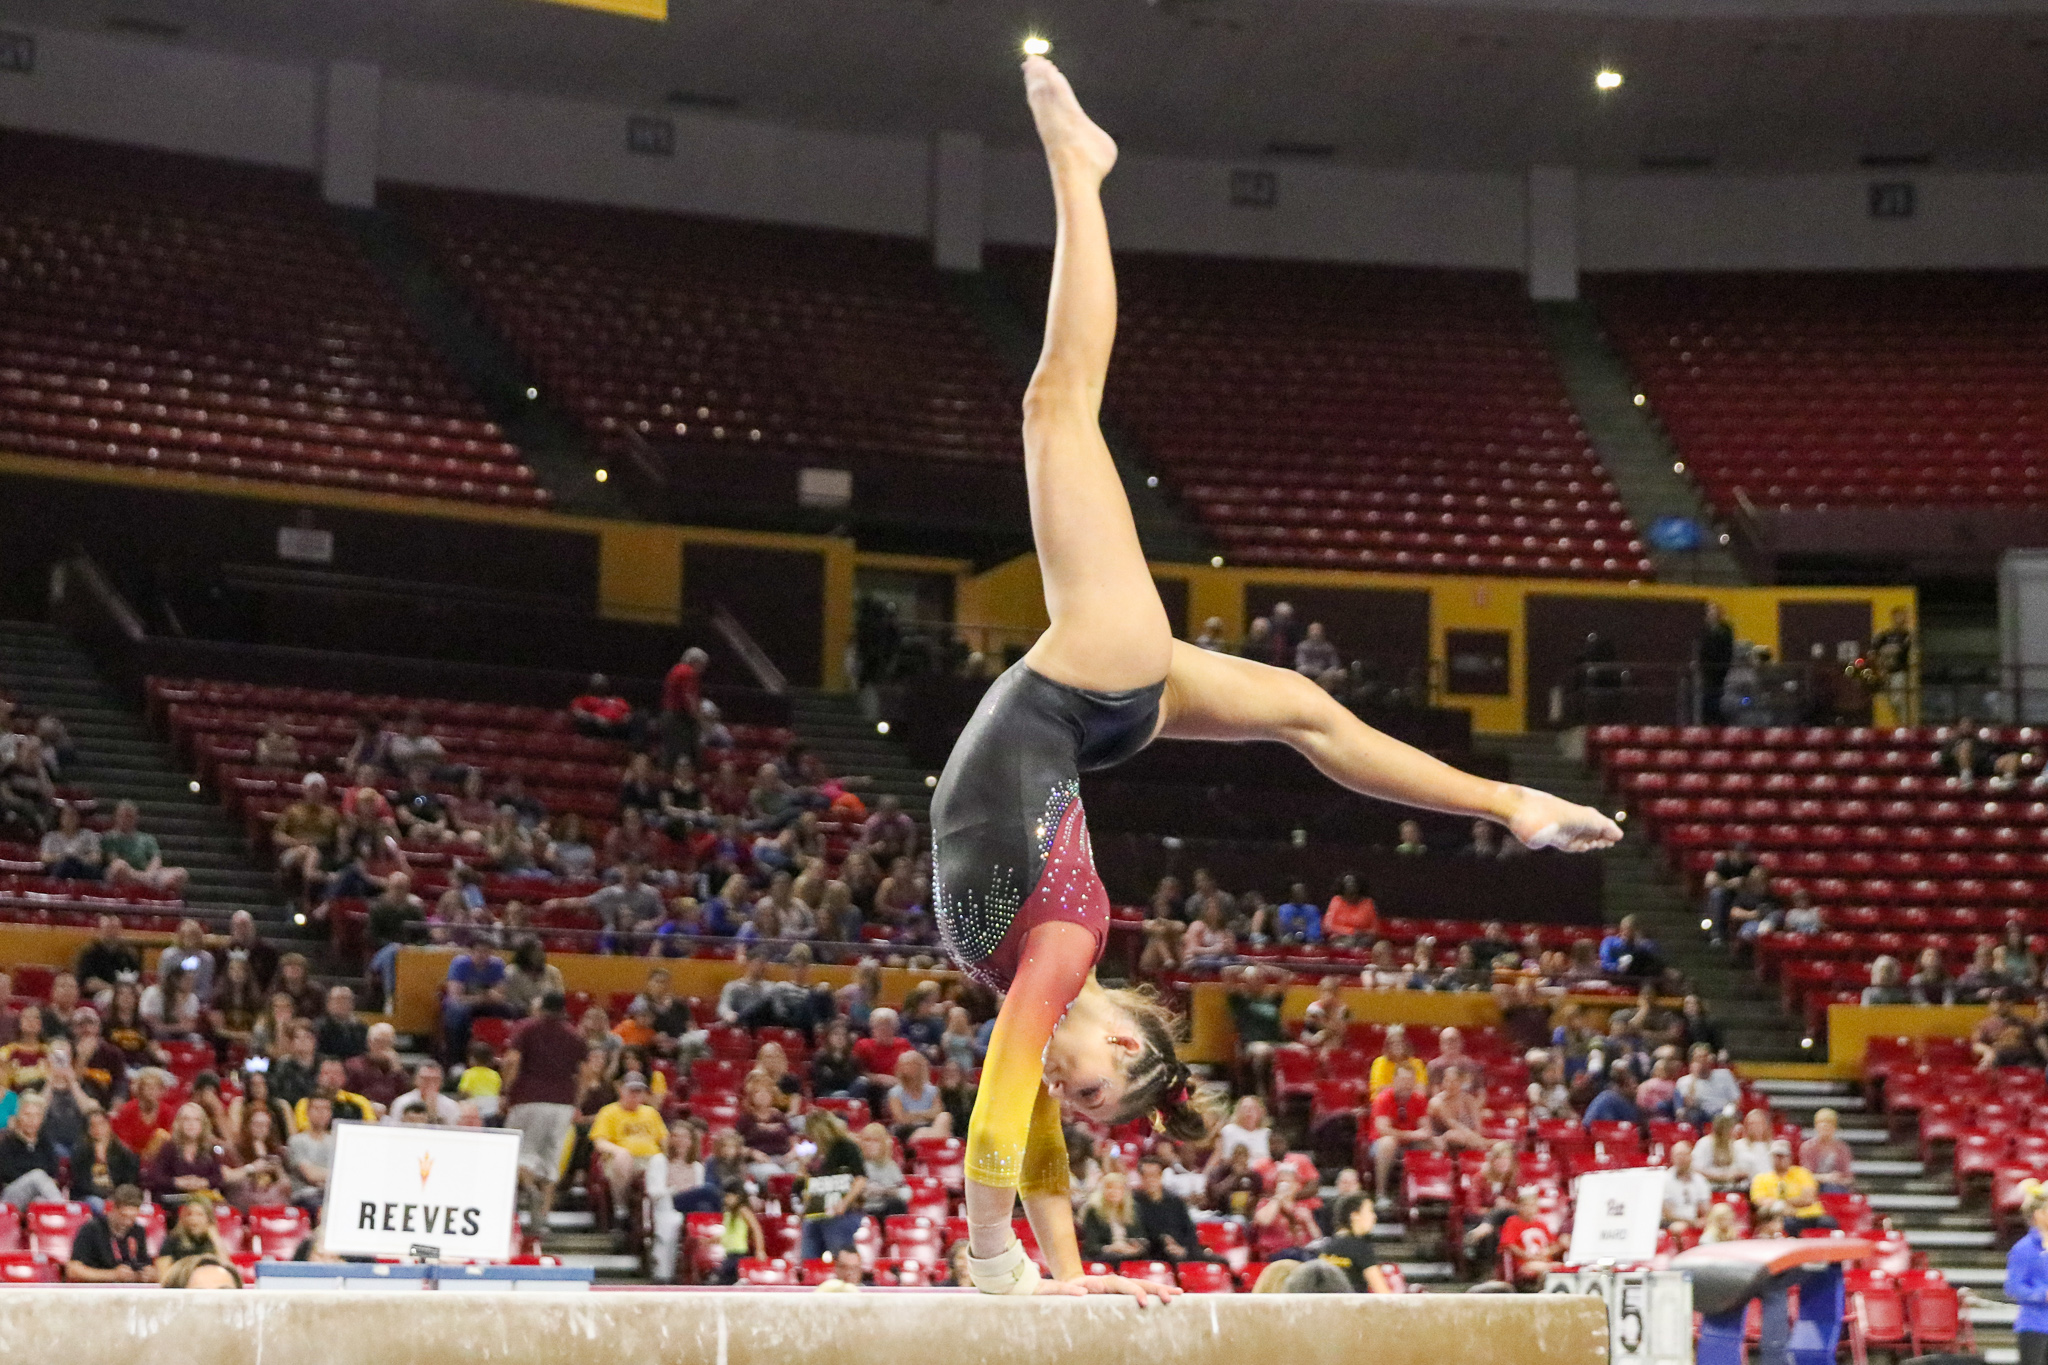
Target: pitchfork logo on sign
426 1167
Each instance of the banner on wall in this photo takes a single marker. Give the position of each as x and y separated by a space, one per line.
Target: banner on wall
420 1191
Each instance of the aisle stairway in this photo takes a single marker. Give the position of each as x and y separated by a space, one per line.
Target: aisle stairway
850 744
1640 883
1632 447
1955 1234
118 757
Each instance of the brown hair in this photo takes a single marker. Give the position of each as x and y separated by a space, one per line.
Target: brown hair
1158 1082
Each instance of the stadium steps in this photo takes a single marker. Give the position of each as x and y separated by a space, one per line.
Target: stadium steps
549 439
1954 1233
1639 884
1637 454
833 725
118 757
1015 329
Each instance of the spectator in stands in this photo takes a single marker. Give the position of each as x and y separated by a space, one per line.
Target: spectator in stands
1208 940
1327 1018
629 1138
1164 1224
294 1071
1110 1230
684 1193
1351 919
258 1097
113 1248
1282 1225
71 851
1753 1146
1617 1103
1410 842
475 989
1398 1055
1258 641
427 1093
377 1074
913 1104
1722 880
834 1187
28 1157
1885 987
1164 924
1249 1128
879 1052
371 747
1384 972
1827 1155
1316 656
311 1153
28 796
1687 1194
1628 953
1400 1123
1752 910
104 960
1298 919
1524 1019
835 1071
681 697
1232 1186
1932 984
1719 1155
740 1236
1458 1113
1487 844
1982 979
202 1272
134 858
145 1119
1794 1187
339 1033
390 916
194 1232
600 713
331 1080
889 833
101 1163
24 1063
1713 655
1706 1089
1528 1246
188 1161
171 1007
259 1150
306 838
1350 1248
277 747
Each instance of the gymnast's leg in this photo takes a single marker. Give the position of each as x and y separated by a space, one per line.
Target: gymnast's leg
1108 628
1216 696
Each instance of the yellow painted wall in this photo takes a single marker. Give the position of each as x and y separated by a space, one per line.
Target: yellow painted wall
1212 1036
54 946
1009 595
1851 1027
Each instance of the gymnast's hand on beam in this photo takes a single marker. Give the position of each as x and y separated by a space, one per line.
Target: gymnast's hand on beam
1144 1291
1541 820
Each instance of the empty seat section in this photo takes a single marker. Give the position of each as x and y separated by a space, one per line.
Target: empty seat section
170 312
1328 416
717 336
1844 390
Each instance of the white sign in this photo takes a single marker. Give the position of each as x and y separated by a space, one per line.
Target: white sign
1617 1217
305 545
410 1189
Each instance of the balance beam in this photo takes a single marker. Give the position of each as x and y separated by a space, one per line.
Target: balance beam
119 1326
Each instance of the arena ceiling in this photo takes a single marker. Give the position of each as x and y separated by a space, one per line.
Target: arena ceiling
1709 84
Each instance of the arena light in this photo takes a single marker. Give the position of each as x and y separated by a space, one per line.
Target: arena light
193 786
931 779
602 475
881 727
1608 79
1678 466
1215 561
1151 481
1035 46
1640 399
657 10
533 393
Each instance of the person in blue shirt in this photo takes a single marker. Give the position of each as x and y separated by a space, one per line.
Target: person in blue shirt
1627 953
475 987
2026 1276
1617 1103
1300 920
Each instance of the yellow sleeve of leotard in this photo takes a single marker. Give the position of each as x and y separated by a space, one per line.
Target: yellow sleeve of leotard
1006 1136
1045 1150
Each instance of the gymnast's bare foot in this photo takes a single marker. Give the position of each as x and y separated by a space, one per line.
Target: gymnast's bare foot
1069 135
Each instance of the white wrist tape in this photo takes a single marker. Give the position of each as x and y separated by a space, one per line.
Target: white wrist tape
1009 1271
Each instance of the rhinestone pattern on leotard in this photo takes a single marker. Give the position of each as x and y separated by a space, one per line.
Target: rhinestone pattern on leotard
972 923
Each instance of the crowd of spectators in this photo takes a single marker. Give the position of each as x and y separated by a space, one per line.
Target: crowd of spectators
72 838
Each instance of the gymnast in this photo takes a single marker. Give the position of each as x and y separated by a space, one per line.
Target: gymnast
1018 899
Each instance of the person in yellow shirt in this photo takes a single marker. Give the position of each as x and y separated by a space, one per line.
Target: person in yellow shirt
630 1136
1793 1186
480 1080
1399 1053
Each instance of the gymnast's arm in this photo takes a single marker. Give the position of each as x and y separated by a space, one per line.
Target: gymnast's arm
1013 1101
1220 697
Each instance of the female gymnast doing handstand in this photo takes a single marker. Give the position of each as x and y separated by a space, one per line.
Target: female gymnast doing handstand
1018 899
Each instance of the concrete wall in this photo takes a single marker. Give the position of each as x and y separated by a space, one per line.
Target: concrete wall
166 95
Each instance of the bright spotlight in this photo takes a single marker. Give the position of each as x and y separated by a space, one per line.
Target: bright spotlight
532 393
931 780
193 787
1641 399
1608 79
1216 561
881 727
1035 46
602 475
